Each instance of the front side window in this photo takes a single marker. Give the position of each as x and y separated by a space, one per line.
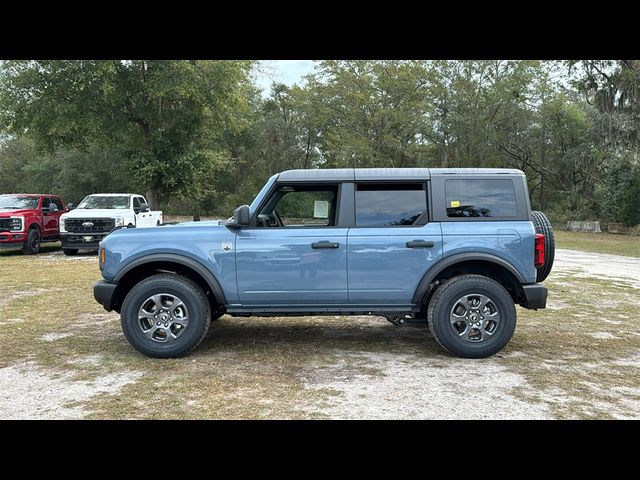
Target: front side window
390 205
300 207
47 202
58 203
480 198
108 202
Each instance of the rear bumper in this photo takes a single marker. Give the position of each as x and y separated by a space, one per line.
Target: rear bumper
535 296
103 292
77 240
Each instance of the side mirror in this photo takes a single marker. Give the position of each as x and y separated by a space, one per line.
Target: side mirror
241 217
144 207
70 206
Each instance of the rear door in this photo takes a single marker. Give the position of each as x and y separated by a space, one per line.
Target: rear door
392 244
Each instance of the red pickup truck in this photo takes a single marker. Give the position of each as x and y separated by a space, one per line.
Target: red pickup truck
28 220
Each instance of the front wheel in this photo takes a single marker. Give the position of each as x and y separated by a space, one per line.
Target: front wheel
32 244
165 316
472 316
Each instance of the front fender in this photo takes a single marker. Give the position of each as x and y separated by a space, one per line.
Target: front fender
188 262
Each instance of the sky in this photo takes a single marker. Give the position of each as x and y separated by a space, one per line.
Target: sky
283 71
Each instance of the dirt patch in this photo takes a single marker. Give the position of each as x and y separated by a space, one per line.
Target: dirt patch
6 299
396 386
59 256
27 391
53 336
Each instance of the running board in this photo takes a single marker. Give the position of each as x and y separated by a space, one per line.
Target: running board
296 310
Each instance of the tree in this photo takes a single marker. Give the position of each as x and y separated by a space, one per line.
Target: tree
166 118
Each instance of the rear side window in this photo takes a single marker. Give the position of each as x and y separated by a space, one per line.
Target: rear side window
389 205
478 197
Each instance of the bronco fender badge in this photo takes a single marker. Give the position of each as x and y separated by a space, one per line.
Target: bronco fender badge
227 246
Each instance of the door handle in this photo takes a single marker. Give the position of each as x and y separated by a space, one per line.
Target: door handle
325 244
419 244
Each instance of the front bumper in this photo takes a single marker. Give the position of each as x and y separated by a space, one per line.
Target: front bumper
535 296
103 292
10 240
82 240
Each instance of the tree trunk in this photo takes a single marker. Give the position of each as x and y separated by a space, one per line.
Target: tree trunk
152 199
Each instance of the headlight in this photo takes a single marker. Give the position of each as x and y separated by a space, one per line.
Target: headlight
16 224
61 224
119 221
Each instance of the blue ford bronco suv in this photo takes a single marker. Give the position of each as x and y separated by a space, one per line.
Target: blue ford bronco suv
455 248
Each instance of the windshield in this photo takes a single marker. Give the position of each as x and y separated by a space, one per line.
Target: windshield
110 202
15 202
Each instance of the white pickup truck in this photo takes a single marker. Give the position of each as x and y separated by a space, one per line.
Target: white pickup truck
96 215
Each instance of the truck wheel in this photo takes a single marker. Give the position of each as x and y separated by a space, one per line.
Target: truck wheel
472 316
70 251
165 316
543 226
32 245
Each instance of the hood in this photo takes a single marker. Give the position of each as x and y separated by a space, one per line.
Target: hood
9 212
167 238
96 212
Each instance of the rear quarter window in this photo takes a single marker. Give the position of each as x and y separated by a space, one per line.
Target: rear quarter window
479 197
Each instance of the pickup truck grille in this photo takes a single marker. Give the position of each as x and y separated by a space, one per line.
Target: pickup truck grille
5 224
100 225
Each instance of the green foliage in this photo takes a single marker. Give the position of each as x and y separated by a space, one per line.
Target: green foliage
165 118
198 136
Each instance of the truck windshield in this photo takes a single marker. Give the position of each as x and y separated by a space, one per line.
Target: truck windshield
109 202
16 201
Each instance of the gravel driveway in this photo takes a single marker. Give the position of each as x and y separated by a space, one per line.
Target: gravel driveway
346 368
585 264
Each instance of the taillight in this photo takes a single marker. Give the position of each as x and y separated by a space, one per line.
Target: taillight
538 256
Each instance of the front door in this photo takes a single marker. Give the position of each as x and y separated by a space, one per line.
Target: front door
52 208
294 254
392 245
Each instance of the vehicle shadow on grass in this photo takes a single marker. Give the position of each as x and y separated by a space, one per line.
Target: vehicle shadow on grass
316 335
44 249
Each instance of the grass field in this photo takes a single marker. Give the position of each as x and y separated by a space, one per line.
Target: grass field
577 359
627 245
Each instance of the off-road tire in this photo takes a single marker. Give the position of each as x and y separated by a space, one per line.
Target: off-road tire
193 298
543 226
446 297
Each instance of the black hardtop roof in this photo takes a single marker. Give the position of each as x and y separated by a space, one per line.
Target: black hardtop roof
357 174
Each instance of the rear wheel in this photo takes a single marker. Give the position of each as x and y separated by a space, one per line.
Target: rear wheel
32 244
472 316
165 316
70 251
543 226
